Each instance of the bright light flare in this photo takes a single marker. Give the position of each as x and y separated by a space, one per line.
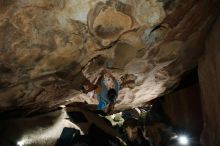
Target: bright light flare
20 143
183 140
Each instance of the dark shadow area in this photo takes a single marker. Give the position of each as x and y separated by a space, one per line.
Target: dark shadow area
181 109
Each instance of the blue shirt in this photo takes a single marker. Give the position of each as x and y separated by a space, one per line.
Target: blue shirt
102 95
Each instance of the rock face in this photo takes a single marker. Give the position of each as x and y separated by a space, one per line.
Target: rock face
48 49
43 130
183 108
209 77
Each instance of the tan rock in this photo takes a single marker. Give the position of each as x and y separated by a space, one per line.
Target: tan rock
149 13
63 43
107 23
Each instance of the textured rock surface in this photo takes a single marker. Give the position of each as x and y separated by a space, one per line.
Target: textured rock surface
49 48
183 108
209 77
43 130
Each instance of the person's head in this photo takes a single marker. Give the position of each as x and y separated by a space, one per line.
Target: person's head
112 95
132 129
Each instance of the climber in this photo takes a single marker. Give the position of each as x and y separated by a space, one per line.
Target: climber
134 134
106 90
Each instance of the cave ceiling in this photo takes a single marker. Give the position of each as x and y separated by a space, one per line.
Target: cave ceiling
49 48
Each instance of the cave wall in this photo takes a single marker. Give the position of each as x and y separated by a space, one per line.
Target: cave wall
184 111
40 130
209 78
49 48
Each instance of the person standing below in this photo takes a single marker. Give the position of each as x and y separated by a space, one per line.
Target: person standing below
134 134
